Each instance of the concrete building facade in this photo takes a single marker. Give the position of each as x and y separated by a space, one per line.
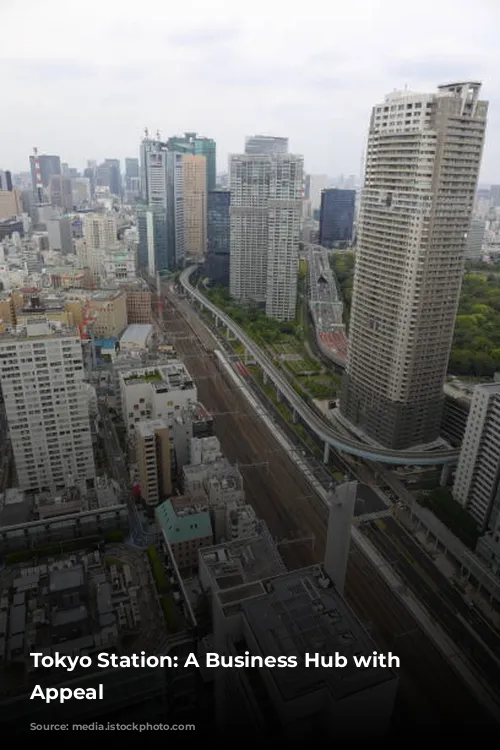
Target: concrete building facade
477 478
153 452
159 392
160 220
195 206
108 310
422 165
99 230
41 371
265 219
187 529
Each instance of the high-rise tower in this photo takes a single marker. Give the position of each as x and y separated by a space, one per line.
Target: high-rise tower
265 216
422 164
161 220
199 145
41 374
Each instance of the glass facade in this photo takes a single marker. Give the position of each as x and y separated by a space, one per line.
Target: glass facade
336 219
217 265
191 143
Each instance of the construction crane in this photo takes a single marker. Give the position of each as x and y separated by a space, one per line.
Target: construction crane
38 176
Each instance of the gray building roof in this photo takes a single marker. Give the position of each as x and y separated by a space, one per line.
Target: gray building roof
299 616
68 578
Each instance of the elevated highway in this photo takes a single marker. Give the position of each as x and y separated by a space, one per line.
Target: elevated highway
326 433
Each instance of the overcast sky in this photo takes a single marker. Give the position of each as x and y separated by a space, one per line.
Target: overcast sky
84 79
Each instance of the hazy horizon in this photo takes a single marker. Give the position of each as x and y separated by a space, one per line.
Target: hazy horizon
84 86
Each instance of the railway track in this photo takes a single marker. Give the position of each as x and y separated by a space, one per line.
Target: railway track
431 693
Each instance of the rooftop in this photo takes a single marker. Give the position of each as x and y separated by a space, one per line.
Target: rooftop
105 295
136 333
66 578
149 426
188 524
300 613
38 329
220 468
149 376
243 561
173 376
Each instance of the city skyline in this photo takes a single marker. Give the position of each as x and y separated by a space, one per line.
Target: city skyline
320 99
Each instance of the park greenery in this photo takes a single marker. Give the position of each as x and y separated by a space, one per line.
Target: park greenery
289 343
343 267
441 502
476 343
164 590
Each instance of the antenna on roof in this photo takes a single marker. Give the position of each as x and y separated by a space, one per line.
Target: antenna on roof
158 137
146 133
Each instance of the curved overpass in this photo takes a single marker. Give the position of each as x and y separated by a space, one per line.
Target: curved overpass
325 432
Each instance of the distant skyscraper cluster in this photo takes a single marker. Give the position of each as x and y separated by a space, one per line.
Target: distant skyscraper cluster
422 165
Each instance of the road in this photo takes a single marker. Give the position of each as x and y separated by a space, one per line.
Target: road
468 630
431 693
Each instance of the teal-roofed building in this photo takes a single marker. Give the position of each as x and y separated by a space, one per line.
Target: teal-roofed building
186 527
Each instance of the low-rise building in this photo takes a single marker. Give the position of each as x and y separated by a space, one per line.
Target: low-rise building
157 392
66 277
119 264
72 606
456 408
138 299
108 310
136 338
194 420
262 610
213 477
186 528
